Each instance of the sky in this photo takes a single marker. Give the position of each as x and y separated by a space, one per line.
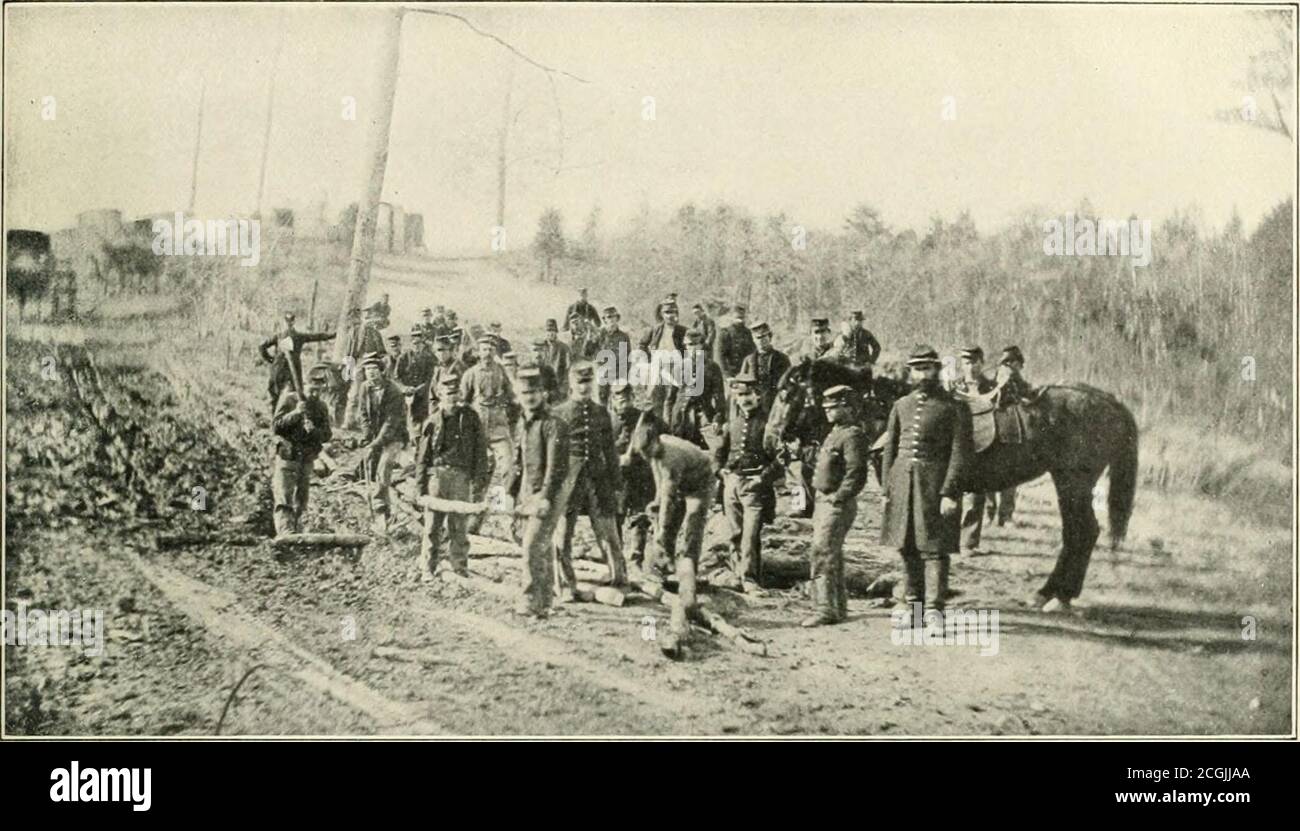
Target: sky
805 110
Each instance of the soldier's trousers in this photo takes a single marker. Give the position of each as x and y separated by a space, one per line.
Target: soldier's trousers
831 525
603 527
290 481
538 556
742 499
972 519
448 483
501 443
925 574
380 469
1002 506
686 513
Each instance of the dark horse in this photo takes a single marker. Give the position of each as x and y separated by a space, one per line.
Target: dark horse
1078 431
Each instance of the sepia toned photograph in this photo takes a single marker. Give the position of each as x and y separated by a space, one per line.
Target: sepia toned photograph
635 370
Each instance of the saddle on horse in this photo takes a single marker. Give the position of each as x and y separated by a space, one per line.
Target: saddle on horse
1007 424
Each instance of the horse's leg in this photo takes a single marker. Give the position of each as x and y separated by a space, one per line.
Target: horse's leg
1079 530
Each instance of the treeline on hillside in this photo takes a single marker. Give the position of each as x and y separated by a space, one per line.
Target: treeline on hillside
1202 331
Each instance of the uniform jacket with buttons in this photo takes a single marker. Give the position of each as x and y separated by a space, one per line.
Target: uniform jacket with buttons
452 367
383 414
859 346
591 447
734 343
452 438
741 449
296 443
541 457
927 452
767 367
841 470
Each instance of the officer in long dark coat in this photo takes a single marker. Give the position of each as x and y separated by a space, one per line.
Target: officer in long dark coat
927 450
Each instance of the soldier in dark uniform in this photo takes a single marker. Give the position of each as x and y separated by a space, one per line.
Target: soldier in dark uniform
382 413
444 363
820 342
286 363
555 355
1011 389
734 343
972 382
840 475
705 326
927 449
636 483
555 391
701 400
581 308
614 350
857 345
510 363
749 471
541 463
412 370
451 462
591 484
503 345
302 428
584 339
363 339
767 364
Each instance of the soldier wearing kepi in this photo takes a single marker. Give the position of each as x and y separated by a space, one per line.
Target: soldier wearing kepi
749 471
733 344
302 427
591 484
382 411
636 483
451 462
701 401
540 466
857 345
972 383
1010 388
927 450
286 363
840 476
486 387
555 354
820 342
444 363
614 350
767 364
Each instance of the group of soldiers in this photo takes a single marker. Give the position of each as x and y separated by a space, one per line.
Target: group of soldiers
567 434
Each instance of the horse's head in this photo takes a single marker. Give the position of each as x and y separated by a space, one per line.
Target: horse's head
791 393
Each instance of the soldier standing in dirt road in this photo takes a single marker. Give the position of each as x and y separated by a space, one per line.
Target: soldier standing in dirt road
286 363
840 475
973 382
451 462
539 469
927 449
636 483
302 428
382 411
1012 388
486 387
591 483
749 472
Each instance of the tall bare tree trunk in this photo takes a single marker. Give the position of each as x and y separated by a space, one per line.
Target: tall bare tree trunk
363 237
270 109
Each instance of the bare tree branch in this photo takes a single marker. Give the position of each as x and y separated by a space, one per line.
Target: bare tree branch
549 70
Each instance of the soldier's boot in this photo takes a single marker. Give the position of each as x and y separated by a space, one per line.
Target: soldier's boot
936 590
824 602
913 591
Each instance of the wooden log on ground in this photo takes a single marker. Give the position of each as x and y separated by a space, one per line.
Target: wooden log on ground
320 540
168 542
783 569
718 623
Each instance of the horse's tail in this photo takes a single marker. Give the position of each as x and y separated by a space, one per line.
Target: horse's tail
1123 478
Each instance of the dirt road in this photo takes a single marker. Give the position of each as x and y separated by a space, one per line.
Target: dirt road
1185 630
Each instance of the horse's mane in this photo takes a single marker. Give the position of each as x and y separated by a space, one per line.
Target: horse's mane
824 373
